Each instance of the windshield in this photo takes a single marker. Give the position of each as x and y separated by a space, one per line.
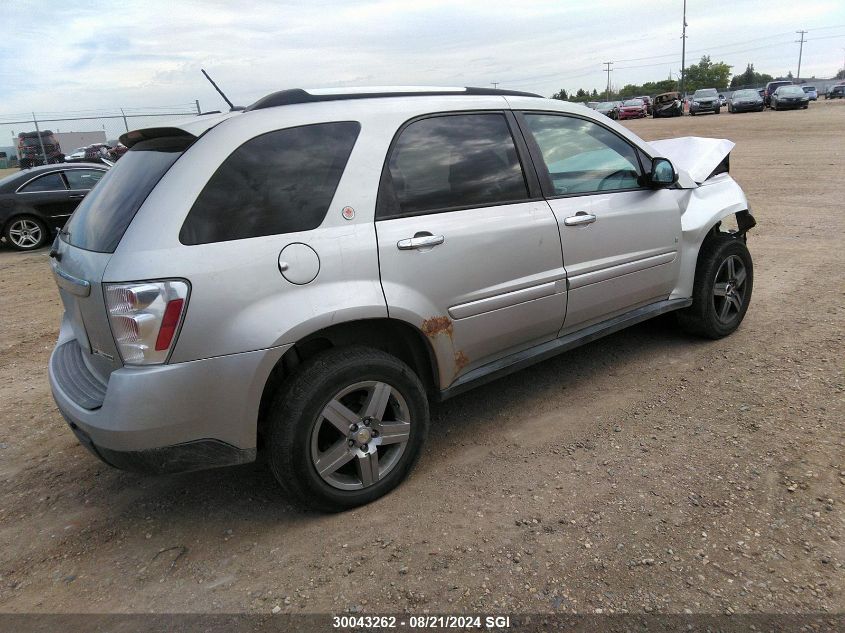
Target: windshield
100 221
605 105
809 88
790 90
633 102
746 94
710 92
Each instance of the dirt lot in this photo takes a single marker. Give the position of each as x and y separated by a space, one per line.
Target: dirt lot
648 472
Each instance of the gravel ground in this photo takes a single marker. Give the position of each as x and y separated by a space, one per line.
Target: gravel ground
647 472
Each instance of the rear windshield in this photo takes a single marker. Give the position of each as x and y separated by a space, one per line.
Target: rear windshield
98 224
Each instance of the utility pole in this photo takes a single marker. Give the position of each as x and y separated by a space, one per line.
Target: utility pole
40 140
495 84
607 70
800 51
125 122
683 50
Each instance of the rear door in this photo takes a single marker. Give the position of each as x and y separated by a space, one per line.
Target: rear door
469 251
620 238
47 195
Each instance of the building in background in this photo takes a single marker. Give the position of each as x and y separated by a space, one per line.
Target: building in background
70 141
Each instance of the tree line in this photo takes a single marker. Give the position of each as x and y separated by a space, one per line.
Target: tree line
705 74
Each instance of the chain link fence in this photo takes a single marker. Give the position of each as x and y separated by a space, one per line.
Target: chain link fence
73 130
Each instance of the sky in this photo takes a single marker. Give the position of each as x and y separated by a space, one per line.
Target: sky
66 56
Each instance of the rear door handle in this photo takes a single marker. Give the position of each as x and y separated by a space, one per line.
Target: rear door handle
420 240
77 196
579 218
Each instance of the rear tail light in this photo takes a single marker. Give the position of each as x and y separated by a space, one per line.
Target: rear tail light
145 318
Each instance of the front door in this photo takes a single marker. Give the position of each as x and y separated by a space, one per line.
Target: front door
469 251
620 238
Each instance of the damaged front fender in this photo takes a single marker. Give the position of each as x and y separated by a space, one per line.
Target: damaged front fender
704 208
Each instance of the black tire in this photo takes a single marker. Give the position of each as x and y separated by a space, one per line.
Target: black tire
718 110
296 413
703 317
26 233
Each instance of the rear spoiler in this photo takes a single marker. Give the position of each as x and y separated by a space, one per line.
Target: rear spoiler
136 136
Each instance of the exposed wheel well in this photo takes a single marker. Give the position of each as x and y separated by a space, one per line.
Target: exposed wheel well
388 335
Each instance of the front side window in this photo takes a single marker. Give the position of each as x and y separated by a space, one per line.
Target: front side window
50 182
454 161
279 182
582 156
83 178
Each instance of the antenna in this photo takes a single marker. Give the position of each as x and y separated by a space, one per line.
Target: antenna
225 98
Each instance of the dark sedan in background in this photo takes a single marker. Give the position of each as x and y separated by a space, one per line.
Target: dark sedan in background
36 202
787 97
745 101
609 109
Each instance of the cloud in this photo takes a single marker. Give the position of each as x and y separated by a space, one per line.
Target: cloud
102 54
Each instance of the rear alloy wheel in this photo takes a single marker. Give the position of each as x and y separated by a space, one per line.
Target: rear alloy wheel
724 279
347 428
26 233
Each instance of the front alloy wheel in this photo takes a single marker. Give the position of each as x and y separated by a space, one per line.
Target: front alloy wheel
724 279
729 289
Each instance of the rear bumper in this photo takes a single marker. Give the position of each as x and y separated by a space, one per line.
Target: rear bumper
165 418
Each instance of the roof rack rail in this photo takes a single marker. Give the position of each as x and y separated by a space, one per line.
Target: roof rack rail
298 95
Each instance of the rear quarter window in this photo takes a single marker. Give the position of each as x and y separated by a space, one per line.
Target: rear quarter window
279 182
98 224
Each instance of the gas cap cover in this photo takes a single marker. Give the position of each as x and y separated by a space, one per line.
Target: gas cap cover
299 263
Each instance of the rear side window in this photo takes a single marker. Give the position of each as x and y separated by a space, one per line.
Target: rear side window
50 182
98 224
83 178
279 182
454 161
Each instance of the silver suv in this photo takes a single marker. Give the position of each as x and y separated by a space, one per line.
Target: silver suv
301 278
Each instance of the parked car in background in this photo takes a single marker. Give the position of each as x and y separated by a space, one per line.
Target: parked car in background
745 101
705 100
32 150
789 97
770 90
648 103
633 109
116 149
762 93
837 92
668 104
592 104
609 109
36 202
722 99
811 92
203 320
94 153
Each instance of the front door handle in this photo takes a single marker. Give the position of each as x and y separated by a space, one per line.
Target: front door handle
582 217
420 240
76 196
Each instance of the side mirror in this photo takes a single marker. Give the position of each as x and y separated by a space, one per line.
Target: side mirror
663 173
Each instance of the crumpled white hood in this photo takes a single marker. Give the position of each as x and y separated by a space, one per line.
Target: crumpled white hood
695 155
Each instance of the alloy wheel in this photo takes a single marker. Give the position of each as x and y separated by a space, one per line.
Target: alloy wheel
25 233
360 435
729 289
